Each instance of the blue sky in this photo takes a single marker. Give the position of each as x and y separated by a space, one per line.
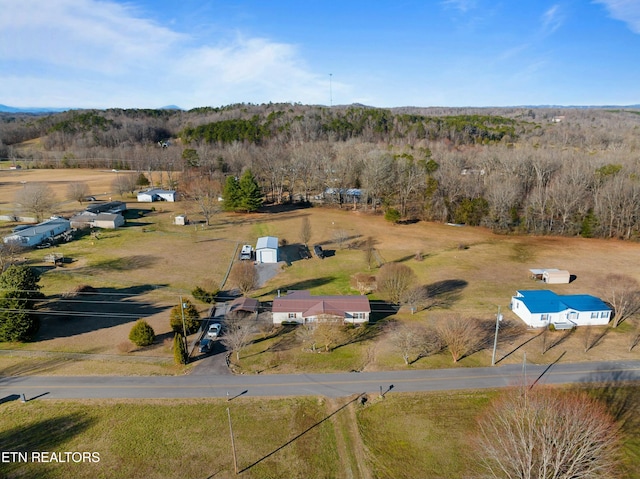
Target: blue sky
190 53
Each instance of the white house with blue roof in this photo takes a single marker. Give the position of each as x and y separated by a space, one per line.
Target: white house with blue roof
540 308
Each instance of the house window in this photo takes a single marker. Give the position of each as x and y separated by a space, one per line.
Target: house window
292 315
358 315
572 315
604 314
594 315
544 317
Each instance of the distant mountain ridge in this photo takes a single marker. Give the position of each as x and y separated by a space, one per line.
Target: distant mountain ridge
42 110
12 109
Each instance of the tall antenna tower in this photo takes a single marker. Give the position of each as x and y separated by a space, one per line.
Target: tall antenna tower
330 90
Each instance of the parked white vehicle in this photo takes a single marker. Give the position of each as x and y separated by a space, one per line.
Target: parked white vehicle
214 330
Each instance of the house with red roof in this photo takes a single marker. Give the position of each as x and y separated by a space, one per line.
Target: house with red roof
301 307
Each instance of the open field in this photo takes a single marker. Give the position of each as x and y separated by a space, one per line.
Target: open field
143 269
399 436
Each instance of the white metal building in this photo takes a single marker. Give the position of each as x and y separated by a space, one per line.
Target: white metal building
267 249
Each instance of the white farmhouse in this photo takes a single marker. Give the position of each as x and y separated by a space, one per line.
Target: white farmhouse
541 308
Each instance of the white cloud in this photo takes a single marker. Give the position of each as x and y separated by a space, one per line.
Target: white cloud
627 11
90 53
461 5
552 19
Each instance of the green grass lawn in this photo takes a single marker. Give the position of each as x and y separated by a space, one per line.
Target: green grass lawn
417 435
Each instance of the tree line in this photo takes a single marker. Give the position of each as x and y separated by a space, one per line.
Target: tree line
541 171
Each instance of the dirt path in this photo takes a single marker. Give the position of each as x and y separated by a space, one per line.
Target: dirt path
351 449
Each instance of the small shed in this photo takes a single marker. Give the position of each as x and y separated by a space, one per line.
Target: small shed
558 276
267 249
550 275
108 220
180 220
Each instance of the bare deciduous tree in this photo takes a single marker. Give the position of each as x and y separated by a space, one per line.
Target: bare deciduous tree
394 280
36 198
623 293
416 298
205 193
363 282
8 254
77 191
340 237
305 231
328 334
413 341
125 183
547 433
369 250
244 276
238 335
460 336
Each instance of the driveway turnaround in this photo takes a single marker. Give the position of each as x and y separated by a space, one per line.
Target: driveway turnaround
331 385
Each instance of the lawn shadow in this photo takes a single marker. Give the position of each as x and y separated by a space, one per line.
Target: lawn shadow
46 435
77 313
9 398
519 346
301 285
444 293
381 310
298 436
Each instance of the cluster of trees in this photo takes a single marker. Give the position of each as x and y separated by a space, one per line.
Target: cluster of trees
513 170
19 291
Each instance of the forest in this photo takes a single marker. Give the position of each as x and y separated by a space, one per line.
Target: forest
545 171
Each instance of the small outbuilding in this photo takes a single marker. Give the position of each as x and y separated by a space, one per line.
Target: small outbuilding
550 275
267 249
180 220
108 220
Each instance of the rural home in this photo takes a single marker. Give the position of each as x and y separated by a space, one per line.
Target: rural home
267 249
300 307
541 308
36 235
108 207
156 194
551 275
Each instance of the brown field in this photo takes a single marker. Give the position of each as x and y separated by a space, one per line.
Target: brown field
142 270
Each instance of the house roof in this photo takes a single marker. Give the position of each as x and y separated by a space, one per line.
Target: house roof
157 191
41 228
106 216
267 242
249 305
303 302
108 206
545 301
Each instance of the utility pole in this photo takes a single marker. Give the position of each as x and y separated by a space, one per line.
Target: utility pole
184 327
233 444
495 340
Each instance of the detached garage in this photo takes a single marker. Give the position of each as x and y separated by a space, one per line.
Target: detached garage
267 249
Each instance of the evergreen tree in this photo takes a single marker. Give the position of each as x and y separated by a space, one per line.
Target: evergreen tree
250 193
142 334
179 349
18 290
191 318
231 194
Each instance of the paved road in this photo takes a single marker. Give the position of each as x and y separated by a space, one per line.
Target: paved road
332 385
